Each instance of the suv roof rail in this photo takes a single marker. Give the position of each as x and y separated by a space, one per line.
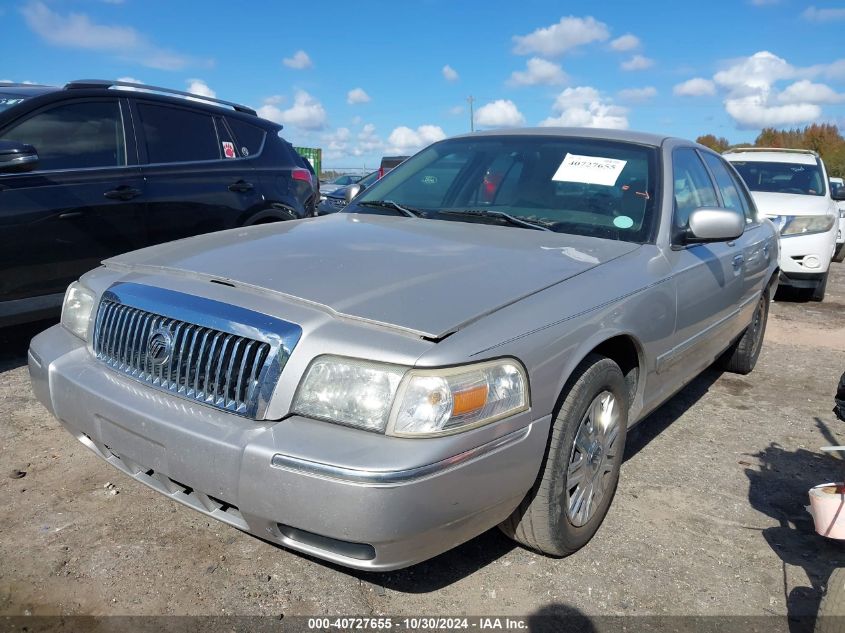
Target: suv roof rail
83 84
736 150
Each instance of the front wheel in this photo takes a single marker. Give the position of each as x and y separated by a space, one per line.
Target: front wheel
580 471
741 357
839 254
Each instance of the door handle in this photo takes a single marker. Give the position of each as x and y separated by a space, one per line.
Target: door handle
738 261
241 186
123 192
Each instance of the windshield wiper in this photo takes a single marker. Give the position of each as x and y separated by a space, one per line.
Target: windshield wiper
500 215
411 212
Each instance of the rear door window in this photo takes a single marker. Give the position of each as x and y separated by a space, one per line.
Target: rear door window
731 197
249 138
176 135
77 135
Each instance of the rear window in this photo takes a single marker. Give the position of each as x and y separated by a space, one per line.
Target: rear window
174 135
249 138
7 101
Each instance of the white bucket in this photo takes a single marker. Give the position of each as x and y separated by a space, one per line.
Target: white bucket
827 505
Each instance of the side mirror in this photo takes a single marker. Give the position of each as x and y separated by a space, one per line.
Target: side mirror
351 192
838 194
714 224
17 157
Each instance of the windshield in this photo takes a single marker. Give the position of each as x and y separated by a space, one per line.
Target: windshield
568 185
7 101
798 178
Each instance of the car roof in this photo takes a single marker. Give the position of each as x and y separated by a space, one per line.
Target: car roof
800 157
626 136
25 90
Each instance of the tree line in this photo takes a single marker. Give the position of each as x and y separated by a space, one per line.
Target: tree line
823 138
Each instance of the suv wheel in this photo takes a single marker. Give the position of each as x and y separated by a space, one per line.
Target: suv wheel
820 289
580 471
741 357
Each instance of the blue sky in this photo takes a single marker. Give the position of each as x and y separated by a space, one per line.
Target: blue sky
365 79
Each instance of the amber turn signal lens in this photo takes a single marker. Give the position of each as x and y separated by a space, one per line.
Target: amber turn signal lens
469 400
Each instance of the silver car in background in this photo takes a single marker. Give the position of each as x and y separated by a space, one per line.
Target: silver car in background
465 346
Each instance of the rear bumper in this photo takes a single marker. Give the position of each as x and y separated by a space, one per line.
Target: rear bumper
243 473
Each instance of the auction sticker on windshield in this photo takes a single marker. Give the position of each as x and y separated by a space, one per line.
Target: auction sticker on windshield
589 170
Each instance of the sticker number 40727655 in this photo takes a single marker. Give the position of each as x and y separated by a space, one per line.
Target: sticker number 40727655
590 170
228 149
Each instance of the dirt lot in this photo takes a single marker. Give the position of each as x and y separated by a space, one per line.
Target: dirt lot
709 518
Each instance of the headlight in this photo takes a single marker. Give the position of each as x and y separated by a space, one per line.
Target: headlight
804 224
77 309
445 401
354 392
411 402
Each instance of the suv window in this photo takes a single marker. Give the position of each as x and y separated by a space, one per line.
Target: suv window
248 136
74 135
731 196
692 185
175 135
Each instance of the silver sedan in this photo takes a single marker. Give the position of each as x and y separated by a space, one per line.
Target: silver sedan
465 346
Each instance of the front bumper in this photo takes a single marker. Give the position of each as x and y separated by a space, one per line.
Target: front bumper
797 251
266 478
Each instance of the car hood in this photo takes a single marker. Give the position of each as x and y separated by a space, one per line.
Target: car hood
790 203
428 277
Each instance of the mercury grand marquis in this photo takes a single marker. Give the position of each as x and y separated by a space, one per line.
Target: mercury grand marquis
465 346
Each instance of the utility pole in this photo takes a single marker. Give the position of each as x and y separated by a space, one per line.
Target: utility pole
470 100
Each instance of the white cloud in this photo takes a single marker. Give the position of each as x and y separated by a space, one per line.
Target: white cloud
456 110
368 140
584 106
299 61
812 14
538 71
6 81
637 62
570 33
752 112
750 75
403 140
199 87
449 73
77 30
130 80
498 114
695 87
357 95
627 42
805 91
753 100
336 144
306 112
635 95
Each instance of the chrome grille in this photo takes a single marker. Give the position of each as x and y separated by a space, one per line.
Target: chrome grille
200 363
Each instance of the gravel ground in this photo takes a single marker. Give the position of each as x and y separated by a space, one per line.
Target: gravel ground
709 518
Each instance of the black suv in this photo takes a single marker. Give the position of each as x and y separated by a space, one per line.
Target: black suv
88 171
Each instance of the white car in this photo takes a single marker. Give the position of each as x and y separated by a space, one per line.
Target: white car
790 187
840 235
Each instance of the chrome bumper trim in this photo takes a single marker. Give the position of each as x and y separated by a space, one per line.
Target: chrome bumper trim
395 477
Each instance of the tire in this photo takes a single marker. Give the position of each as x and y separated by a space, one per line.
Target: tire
831 616
839 253
542 522
818 292
741 357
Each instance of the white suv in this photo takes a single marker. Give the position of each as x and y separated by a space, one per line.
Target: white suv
790 187
840 235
